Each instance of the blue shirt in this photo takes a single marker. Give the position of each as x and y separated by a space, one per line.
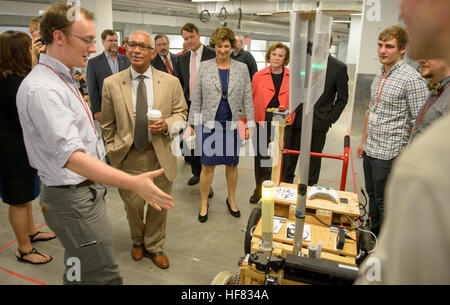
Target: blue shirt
113 64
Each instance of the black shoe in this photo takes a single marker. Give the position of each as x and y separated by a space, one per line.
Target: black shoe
205 217
235 214
254 199
194 180
211 193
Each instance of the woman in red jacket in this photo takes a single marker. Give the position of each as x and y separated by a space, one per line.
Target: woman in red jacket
270 88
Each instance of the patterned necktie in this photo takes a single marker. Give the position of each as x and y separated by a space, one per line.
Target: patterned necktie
168 67
192 74
141 124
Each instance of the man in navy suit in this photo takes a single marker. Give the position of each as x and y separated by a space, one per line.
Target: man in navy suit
327 111
102 66
185 65
164 60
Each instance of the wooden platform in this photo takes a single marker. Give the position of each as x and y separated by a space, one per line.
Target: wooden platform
318 234
329 213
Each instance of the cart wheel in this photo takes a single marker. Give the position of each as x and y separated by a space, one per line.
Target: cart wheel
223 278
251 225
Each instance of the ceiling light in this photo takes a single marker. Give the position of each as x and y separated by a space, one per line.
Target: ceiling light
210 0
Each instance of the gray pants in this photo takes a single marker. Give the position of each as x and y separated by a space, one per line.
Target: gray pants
78 217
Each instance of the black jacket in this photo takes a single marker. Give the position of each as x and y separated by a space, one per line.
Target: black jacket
159 64
97 70
332 102
182 70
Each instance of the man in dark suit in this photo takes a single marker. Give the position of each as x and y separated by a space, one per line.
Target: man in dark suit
102 66
245 57
164 60
327 111
186 70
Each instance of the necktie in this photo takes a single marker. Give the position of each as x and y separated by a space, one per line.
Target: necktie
141 124
192 74
168 67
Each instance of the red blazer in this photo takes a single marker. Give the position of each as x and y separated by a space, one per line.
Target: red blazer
263 91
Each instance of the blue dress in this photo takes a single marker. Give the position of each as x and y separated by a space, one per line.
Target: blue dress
220 145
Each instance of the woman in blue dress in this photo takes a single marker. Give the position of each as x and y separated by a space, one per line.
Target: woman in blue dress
222 96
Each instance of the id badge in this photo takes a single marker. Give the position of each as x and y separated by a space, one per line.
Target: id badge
373 118
101 149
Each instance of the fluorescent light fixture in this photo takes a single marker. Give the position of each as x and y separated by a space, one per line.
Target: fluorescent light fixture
210 0
264 14
341 21
356 14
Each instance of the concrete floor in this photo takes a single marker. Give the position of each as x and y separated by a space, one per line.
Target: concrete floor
197 252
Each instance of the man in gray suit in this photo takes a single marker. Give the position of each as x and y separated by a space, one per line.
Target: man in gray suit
102 66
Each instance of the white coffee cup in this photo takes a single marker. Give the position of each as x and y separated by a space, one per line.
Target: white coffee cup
153 116
190 142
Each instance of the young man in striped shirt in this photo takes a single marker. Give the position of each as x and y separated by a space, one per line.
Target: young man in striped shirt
398 93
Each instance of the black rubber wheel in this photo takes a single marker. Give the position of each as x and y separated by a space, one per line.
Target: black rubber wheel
252 222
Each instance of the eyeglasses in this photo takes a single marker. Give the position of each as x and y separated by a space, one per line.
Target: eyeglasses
87 42
162 44
133 45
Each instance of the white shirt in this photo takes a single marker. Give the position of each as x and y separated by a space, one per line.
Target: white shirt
198 59
149 87
56 122
168 58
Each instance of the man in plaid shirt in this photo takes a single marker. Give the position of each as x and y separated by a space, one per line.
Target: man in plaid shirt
397 95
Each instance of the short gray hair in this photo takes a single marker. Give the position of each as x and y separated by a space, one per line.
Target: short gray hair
152 41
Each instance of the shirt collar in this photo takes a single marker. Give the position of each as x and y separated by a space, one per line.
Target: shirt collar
395 67
147 73
163 58
109 57
199 50
56 65
237 54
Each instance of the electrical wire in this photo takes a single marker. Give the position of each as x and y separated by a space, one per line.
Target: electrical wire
356 227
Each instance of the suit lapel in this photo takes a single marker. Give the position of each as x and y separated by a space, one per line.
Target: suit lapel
122 63
125 86
157 85
106 65
285 83
234 77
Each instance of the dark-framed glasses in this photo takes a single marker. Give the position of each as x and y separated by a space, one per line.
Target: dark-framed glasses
133 45
88 42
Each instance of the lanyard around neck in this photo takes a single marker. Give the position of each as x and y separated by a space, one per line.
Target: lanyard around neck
426 107
84 104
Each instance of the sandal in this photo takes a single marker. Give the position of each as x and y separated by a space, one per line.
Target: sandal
32 251
33 239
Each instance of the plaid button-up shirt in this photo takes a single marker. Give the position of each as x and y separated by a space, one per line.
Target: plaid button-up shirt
396 100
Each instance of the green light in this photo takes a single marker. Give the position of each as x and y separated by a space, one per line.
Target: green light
302 73
318 67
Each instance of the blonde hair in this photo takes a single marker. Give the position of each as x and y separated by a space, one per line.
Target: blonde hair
220 35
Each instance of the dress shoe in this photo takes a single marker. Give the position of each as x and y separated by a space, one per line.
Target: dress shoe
234 213
194 180
137 252
204 218
211 193
159 259
254 199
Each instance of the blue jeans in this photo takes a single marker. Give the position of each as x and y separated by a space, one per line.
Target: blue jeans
376 173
